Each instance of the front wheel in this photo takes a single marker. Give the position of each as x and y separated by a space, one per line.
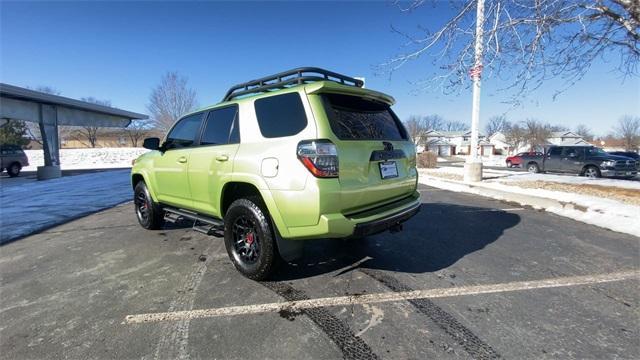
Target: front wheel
14 170
533 168
592 172
149 214
249 239
509 164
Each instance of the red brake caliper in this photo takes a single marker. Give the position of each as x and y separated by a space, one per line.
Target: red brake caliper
249 238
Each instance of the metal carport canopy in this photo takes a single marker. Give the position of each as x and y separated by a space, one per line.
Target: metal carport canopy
17 103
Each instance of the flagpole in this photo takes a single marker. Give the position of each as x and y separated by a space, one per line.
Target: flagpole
473 165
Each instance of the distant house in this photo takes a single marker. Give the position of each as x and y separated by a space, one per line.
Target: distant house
447 143
566 138
500 144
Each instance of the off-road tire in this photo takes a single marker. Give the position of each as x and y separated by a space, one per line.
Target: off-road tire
250 214
14 169
154 217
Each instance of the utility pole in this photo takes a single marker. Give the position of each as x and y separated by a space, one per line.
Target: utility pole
473 165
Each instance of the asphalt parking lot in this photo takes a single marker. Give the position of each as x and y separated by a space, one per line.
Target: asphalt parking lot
469 277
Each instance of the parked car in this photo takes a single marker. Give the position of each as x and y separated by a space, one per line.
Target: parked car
12 159
303 154
516 160
589 161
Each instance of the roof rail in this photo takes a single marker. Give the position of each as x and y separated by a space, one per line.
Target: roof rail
289 78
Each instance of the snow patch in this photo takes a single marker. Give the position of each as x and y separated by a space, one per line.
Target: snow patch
606 213
96 158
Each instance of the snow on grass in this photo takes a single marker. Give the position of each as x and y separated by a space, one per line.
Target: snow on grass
604 212
573 179
96 158
29 207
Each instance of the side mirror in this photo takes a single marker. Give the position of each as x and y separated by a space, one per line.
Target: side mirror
151 143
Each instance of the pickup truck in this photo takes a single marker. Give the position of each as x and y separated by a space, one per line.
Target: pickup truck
589 161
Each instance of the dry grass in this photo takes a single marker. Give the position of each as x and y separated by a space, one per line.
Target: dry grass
628 196
427 160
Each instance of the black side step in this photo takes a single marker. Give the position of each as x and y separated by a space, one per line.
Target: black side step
204 224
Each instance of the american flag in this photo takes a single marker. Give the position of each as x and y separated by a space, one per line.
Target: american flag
475 71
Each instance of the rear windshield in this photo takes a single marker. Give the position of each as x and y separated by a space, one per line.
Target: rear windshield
356 118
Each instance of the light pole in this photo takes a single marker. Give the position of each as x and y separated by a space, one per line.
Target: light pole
473 165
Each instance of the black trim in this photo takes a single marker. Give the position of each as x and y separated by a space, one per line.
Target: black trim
193 216
289 78
380 225
205 120
384 155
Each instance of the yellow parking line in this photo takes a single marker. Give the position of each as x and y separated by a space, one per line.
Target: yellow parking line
384 297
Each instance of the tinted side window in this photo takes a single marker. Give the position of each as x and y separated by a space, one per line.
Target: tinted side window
356 118
184 132
555 151
222 127
280 115
573 151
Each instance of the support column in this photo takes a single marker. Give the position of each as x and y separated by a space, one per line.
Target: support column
48 121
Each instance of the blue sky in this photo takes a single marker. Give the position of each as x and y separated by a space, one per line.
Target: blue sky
119 50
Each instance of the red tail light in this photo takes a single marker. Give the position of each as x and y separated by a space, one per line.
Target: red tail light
320 157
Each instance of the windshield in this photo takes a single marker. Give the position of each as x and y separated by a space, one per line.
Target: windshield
596 151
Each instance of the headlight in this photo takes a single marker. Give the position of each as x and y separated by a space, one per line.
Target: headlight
609 163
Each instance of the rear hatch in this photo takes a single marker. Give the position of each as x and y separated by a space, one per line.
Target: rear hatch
376 156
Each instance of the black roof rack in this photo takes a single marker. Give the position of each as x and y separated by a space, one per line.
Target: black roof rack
289 78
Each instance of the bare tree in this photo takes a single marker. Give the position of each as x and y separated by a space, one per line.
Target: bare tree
515 135
88 135
136 131
536 133
415 128
433 122
555 128
421 125
171 99
496 124
585 132
452 125
628 129
526 42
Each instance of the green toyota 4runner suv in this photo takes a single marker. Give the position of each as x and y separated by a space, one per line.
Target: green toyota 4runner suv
302 154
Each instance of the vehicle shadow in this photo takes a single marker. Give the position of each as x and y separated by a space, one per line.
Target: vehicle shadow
437 237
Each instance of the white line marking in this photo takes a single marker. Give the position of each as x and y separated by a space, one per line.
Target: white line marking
383 297
494 210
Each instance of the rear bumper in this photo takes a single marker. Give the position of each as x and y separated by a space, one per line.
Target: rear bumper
380 225
367 223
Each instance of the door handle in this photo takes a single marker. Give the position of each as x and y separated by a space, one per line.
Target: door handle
182 159
222 157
